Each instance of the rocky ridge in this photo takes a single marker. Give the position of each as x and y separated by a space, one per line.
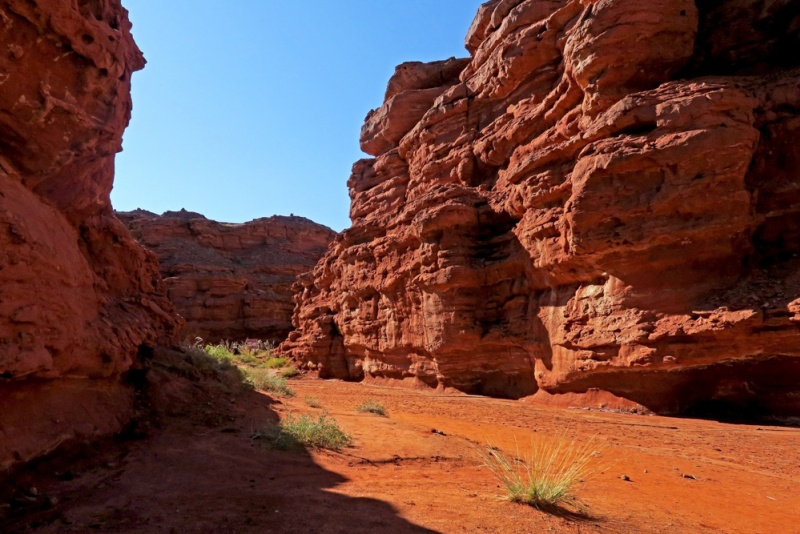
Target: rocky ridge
231 281
80 301
600 204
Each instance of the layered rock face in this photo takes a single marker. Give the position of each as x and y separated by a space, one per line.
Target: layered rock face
80 300
231 281
604 197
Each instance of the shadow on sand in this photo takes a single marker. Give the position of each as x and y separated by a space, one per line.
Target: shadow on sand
193 469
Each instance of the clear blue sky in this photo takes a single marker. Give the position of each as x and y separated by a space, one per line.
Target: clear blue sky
250 108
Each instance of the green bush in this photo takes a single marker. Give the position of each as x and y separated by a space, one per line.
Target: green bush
220 353
305 431
289 372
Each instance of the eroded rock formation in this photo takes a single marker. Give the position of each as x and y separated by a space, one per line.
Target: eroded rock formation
80 300
231 281
605 196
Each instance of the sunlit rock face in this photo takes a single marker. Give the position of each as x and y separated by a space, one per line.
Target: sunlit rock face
603 198
80 301
231 281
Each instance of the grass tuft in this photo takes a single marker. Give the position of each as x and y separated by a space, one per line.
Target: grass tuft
372 406
304 431
547 476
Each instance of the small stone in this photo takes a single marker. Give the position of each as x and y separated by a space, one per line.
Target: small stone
626 478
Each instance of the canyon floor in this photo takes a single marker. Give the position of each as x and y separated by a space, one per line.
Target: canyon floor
196 469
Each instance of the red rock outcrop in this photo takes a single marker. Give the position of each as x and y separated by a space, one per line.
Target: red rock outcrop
231 281
605 198
80 300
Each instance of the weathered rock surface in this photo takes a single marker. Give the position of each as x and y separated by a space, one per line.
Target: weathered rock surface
80 300
606 199
231 281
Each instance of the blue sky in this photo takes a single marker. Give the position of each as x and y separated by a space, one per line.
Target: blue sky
250 108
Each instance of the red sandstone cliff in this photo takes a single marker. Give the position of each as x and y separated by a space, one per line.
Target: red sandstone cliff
604 196
80 300
231 281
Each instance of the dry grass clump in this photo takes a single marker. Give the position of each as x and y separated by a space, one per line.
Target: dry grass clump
547 475
289 372
313 402
372 406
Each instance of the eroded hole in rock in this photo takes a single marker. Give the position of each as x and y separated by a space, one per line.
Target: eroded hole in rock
145 352
639 129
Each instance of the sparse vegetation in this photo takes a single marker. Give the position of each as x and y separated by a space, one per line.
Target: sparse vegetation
548 475
372 406
305 431
252 353
253 359
264 380
275 363
313 402
220 353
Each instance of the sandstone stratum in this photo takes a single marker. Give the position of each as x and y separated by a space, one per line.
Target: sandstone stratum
231 281
600 205
80 301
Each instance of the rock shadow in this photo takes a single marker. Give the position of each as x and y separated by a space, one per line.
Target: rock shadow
193 469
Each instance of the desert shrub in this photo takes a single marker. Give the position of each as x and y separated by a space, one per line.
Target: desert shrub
264 380
219 352
306 431
547 475
372 406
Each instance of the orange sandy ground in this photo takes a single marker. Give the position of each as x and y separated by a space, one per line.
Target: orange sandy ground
400 476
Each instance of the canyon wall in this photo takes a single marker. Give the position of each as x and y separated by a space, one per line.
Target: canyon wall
602 202
80 301
231 281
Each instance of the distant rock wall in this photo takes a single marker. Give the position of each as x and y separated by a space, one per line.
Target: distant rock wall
231 281
605 197
80 300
